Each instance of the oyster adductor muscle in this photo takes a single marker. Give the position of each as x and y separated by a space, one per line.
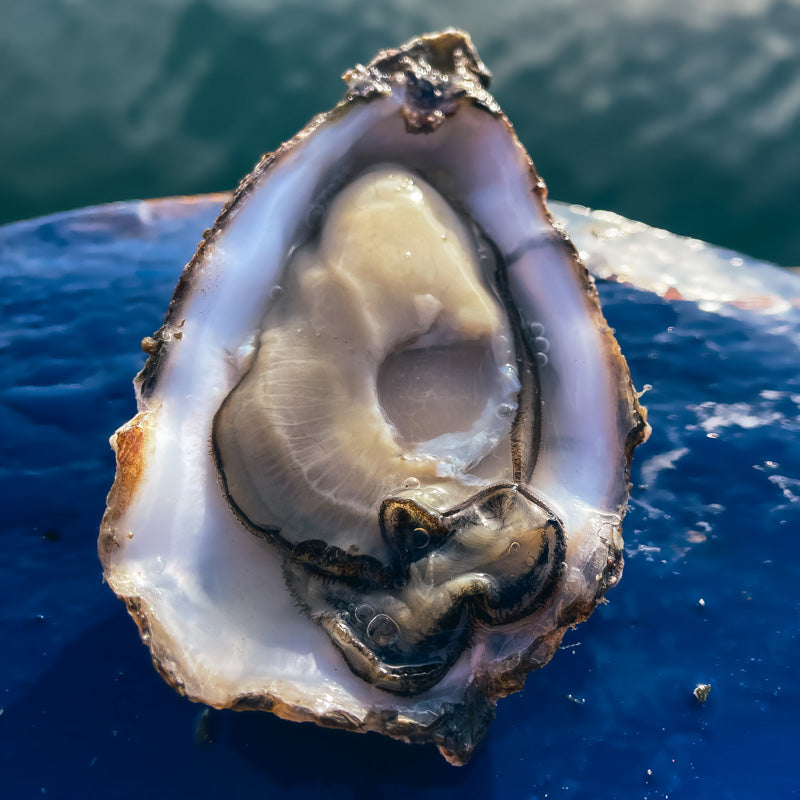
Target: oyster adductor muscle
384 435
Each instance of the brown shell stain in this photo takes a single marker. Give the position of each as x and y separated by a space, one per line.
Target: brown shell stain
130 444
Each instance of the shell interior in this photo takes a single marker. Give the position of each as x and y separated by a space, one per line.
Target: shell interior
382 451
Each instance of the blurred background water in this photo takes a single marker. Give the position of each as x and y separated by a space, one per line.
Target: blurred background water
683 114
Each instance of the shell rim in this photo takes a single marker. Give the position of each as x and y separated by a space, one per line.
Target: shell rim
130 442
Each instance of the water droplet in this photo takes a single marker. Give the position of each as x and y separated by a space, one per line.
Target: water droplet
383 630
541 360
541 345
509 370
275 292
364 612
420 537
411 483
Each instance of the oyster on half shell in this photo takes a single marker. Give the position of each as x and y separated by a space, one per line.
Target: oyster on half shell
384 435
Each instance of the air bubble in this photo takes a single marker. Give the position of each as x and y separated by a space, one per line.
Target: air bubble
364 612
536 329
505 410
541 360
411 483
530 561
513 547
383 630
541 345
420 537
275 292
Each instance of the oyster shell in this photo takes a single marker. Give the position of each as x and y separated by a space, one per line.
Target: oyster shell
384 435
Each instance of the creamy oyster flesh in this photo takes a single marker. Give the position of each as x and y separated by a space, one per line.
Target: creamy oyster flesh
398 544
389 294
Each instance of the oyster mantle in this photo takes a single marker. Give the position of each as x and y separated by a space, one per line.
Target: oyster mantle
431 585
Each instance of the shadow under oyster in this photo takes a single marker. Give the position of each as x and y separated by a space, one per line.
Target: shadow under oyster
384 435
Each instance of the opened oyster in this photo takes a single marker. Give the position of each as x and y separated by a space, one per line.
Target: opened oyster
382 450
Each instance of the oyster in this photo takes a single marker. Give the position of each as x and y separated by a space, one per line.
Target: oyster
384 435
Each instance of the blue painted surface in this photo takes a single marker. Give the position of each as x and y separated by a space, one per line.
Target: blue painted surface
85 714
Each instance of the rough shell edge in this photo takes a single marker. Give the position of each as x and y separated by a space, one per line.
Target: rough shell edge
130 441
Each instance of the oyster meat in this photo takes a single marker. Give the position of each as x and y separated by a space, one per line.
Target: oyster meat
384 435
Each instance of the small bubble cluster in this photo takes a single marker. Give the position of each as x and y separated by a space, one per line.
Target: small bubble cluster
539 343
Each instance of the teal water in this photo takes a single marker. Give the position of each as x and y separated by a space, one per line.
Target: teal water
683 114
